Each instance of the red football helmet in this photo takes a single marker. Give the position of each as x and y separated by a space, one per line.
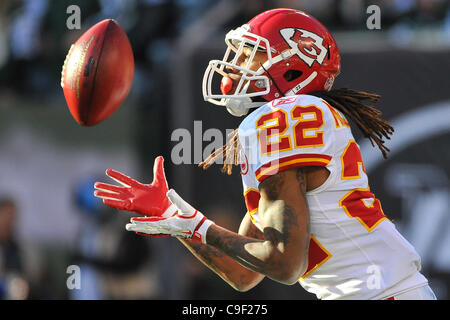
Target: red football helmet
302 57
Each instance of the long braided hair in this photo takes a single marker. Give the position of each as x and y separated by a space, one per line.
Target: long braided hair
352 103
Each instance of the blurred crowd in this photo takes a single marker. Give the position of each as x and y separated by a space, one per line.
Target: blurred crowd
34 40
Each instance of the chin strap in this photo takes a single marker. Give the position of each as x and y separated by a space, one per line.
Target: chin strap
239 107
273 81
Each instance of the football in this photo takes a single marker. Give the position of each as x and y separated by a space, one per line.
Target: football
98 72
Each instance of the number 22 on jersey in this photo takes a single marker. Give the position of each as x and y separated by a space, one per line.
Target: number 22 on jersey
309 119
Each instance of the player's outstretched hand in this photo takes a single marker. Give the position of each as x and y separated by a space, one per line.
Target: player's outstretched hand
188 223
145 199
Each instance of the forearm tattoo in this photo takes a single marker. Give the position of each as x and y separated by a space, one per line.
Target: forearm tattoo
288 220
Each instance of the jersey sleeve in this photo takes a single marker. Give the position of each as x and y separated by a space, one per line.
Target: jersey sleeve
287 133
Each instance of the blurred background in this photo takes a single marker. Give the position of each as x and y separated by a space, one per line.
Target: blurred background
48 217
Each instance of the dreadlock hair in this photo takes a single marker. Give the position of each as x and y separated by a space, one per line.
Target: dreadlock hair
367 118
352 103
229 153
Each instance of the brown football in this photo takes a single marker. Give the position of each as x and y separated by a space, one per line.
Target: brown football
98 73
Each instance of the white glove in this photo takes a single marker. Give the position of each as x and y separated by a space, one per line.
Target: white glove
188 223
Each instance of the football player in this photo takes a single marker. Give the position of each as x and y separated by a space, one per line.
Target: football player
311 215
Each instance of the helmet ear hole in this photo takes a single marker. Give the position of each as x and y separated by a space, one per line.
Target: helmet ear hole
291 75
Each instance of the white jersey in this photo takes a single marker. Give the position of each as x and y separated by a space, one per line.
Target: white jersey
355 251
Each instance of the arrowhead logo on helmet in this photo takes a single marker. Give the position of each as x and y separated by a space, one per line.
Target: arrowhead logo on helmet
306 44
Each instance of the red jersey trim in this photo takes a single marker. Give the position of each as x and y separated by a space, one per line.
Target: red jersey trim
298 160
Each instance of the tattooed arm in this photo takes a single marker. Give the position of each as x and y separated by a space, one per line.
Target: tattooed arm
279 252
237 276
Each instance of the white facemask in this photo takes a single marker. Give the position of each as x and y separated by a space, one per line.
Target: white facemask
240 101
